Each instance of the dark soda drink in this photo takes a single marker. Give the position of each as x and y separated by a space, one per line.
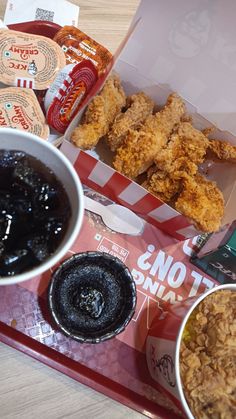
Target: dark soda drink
34 212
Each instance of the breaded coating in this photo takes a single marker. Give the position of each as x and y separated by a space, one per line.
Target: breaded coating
162 186
139 149
208 131
202 202
139 106
166 185
187 142
221 150
137 153
179 158
194 141
100 114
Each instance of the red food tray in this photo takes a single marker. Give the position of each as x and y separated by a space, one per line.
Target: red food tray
117 367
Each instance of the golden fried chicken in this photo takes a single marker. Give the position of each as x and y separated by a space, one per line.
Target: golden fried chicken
139 106
100 114
202 202
162 185
166 185
208 131
187 142
139 149
221 150
185 150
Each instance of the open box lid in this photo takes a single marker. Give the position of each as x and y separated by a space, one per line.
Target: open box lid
189 47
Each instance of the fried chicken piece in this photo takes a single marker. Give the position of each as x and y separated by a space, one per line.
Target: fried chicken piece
137 153
208 131
162 186
221 150
166 185
185 150
100 114
202 202
139 149
187 142
139 107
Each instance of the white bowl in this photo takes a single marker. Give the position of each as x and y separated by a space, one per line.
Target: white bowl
12 139
202 297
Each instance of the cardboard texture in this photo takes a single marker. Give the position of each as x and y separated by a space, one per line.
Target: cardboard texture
187 48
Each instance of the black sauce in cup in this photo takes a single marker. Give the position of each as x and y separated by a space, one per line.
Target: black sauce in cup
34 212
92 297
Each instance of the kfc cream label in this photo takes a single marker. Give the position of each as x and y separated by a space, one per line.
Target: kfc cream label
19 108
30 61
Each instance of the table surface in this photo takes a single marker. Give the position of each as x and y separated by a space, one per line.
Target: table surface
27 387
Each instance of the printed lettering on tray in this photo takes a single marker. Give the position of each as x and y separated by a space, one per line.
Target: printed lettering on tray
189 244
113 249
161 276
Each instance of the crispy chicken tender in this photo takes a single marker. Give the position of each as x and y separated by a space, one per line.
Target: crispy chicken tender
162 185
100 114
202 201
221 150
176 179
166 185
139 149
187 142
137 153
185 150
139 107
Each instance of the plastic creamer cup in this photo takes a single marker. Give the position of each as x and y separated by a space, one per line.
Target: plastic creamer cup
163 348
28 60
20 109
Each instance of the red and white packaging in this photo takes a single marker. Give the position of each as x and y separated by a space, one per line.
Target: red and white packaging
163 347
66 94
176 46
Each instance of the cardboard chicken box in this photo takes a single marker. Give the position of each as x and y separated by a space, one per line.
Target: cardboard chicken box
185 47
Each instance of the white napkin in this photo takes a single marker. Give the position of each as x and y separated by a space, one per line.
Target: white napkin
61 12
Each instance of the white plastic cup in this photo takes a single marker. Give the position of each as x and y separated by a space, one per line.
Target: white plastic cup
48 154
163 347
